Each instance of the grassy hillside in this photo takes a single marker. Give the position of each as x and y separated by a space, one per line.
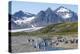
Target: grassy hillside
53 29
61 27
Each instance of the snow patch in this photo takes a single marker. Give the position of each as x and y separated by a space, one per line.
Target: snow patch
25 20
67 16
63 10
27 29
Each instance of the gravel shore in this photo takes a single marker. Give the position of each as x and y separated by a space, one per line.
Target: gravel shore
34 43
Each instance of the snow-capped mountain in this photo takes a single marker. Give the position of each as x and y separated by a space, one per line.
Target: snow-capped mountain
22 19
20 15
59 15
66 14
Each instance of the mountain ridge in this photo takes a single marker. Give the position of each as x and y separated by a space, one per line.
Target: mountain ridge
44 18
